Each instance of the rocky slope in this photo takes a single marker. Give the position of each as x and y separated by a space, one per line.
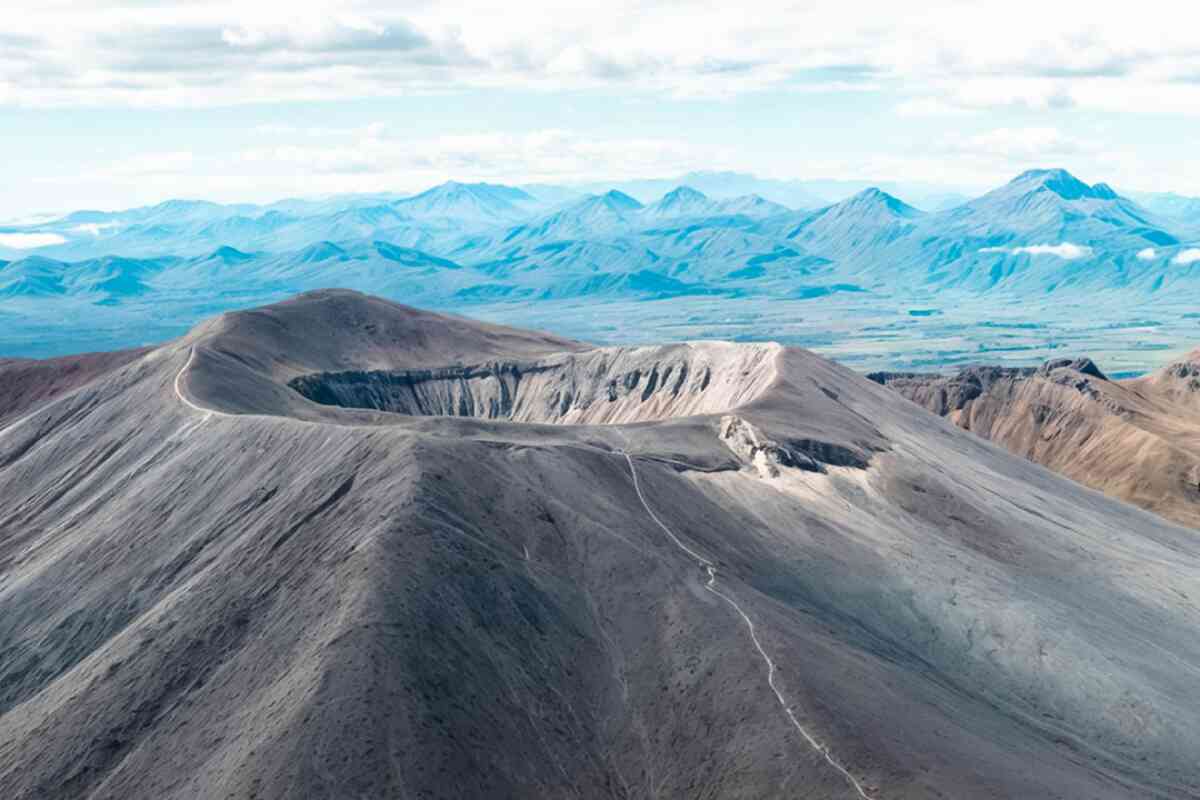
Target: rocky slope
213 586
1137 440
26 383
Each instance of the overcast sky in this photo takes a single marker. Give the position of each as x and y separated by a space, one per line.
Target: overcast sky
109 105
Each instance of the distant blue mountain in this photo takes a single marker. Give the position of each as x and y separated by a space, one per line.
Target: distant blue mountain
1172 206
682 201
721 186
458 243
867 222
473 203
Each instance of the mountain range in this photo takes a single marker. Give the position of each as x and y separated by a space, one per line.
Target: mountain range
1043 236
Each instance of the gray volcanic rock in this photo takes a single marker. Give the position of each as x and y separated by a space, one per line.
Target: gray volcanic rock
782 583
26 382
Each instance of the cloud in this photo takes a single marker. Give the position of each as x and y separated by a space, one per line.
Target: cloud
1149 254
930 107
95 228
1037 142
376 158
28 241
535 156
1185 257
933 59
152 164
1066 250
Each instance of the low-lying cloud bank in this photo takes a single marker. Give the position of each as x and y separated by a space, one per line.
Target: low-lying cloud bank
28 241
1185 257
1066 250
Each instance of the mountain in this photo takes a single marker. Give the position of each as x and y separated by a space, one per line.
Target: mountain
1039 246
591 217
227 274
865 223
1137 440
341 547
642 284
751 205
321 252
189 228
804 195
551 195
31 277
1043 232
1178 383
681 201
1171 205
169 212
1055 206
473 203
720 186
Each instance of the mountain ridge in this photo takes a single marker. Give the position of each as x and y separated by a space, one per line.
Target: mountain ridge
1043 240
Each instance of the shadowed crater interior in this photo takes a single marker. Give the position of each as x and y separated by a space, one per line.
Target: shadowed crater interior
603 386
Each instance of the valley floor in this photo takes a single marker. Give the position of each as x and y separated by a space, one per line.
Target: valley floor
861 330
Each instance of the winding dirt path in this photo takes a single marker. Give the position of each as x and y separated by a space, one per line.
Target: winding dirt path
711 569
179 388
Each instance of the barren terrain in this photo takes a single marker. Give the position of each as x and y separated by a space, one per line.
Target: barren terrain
1137 439
338 547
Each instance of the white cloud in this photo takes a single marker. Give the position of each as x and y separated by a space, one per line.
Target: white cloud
1149 254
1066 250
28 241
373 158
94 228
152 164
1018 143
31 220
374 155
930 107
145 167
933 57
1185 257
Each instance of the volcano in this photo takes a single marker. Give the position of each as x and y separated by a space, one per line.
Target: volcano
339 547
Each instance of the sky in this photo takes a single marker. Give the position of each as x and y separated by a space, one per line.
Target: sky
110 105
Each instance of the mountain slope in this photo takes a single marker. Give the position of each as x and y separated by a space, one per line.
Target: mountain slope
467 202
1053 206
681 201
1045 248
239 565
865 223
27 383
1137 440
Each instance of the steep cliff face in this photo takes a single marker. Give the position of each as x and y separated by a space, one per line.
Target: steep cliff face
605 386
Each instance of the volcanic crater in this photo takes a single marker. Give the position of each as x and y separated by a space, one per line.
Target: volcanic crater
612 385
